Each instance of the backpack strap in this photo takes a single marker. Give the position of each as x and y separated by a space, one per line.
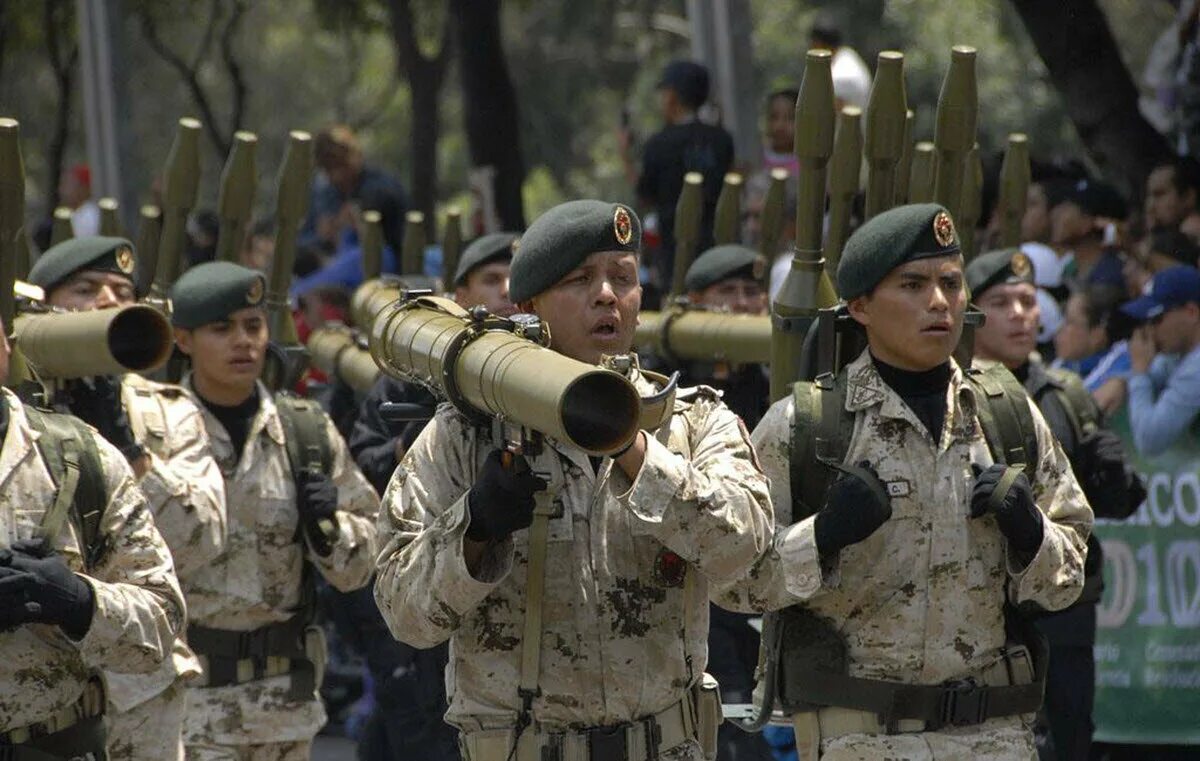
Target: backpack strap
820 438
305 435
1076 401
71 456
1005 417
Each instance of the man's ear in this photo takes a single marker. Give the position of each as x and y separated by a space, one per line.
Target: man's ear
183 339
859 307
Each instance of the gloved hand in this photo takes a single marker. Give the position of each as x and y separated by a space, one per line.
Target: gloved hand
99 405
857 505
1016 514
36 586
1110 485
501 499
316 497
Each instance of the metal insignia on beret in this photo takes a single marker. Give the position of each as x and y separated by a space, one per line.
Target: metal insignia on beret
622 226
943 229
759 268
516 243
1020 265
125 259
254 294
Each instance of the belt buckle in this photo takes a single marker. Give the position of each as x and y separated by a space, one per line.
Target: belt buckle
608 743
964 703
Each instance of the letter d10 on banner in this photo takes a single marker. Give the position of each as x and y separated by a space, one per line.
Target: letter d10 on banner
1148 622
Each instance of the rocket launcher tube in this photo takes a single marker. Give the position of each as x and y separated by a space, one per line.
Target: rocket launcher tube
372 245
727 220
235 201
843 183
60 344
60 228
971 204
149 235
451 246
886 123
699 335
336 352
110 219
12 215
904 166
290 210
412 254
1014 186
487 370
920 186
954 133
770 222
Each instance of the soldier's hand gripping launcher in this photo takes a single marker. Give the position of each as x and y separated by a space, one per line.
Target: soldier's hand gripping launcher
499 373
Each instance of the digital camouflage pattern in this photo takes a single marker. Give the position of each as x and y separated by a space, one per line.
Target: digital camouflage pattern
289 751
138 606
921 600
628 570
256 579
186 493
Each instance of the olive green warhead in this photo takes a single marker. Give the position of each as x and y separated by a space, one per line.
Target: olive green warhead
1014 187
689 213
12 214
883 142
148 237
60 227
235 202
727 221
904 165
110 218
412 253
180 180
972 191
924 161
954 133
771 221
291 207
806 287
451 245
372 244
843 183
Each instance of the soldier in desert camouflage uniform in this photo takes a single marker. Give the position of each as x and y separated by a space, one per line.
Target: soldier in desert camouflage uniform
175 469
250 607
69 605
909 560
624 618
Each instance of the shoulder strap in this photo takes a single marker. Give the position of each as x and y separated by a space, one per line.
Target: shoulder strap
821 430
1005 417
71 456
305 435
1076 401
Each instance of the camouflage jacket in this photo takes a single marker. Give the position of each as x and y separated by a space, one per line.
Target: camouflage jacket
255 580
186 493
138 607
921 600
628 570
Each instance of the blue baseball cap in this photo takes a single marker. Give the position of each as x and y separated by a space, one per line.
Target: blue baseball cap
1170 288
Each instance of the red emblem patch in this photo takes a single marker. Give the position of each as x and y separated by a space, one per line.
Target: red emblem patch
669 568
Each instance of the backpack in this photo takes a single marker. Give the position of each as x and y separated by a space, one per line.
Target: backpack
71 456
305 435
1075 400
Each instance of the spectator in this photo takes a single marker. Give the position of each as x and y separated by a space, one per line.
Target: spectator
259 249
203 227
1164 390
779 147
348 187
851 77
1084 345
1079 223
75 193
683 145
344 269
1168 247
1043 195
1047 269
1172 195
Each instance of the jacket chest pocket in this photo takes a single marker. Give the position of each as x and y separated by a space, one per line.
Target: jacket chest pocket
276 514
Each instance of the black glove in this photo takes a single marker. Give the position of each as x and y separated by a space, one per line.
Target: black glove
1017 514
501 499
316 497
36 586
857 505
99 405
1111 486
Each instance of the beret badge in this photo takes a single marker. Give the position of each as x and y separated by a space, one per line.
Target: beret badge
125 259
254 294
622 226
943 229
1020 265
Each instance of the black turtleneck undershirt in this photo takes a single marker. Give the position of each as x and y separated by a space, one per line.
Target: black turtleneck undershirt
923 391
236 419
1022 373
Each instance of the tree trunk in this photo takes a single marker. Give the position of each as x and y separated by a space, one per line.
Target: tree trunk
490 112
64 55
1074 41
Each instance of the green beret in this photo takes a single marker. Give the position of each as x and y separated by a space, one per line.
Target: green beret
91 252
887 240
212 291
482 250
1007 265
559 240
723 262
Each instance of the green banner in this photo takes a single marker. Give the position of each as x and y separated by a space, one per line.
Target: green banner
1148 638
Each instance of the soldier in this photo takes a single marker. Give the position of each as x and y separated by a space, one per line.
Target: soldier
901 568
409 685
295 502
160 431
85 582
1002 285
730 278
615 667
